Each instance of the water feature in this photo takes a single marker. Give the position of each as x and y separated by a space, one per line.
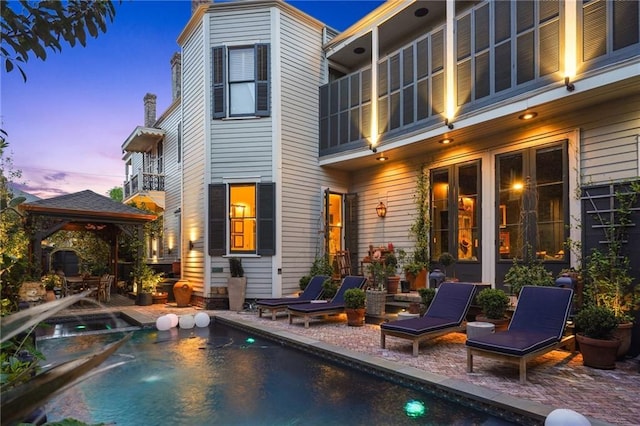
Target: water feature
224 376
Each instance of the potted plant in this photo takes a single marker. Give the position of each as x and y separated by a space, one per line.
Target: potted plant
354 302
392 278
148 280
595 326
446 259
50 282
236 284
329 288
494 303
427 295
414 271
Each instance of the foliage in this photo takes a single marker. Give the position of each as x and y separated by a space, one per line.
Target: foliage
92 251
329 288
493 302
116 194
32 27
321 266
596 322
427 295
378 274
532 273
14 242
608 280
421 225
304 281
147 278
408 263
51 281
235 267
354 298
446 259
391 263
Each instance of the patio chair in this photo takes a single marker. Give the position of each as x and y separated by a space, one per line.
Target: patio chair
334 306
104 288
445 315
312 291
537 327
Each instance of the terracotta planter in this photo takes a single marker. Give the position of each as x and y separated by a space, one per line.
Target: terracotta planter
355 317
393 284
501 324
623 333
182 291
51 296
598 353
417 281
159 298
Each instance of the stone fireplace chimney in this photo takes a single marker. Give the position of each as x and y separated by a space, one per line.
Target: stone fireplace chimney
149 109
176 76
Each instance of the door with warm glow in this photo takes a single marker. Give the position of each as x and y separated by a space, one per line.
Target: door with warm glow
455 218
340 225
532 208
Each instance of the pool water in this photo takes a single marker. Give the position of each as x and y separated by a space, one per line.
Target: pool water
72 326
219 375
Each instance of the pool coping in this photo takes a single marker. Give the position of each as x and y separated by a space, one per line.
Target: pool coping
484 399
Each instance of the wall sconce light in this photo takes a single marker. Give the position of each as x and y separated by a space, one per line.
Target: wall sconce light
381 210
190 245
568 84
169 250
448 123
373 148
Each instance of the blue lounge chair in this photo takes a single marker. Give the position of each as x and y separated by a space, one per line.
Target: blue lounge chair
334 306
537 327
446 314
312 291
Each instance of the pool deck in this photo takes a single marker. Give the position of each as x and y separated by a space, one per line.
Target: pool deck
554 380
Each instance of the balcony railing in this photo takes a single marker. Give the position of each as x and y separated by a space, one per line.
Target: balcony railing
150 182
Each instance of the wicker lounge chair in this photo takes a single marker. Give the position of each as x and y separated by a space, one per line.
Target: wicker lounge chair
537 327
312 291
334 306
446 314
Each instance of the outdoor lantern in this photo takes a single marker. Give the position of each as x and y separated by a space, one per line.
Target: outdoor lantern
381 210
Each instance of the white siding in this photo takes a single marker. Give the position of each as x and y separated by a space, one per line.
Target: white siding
609 150
193 142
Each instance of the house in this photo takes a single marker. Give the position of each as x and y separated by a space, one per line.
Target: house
508 109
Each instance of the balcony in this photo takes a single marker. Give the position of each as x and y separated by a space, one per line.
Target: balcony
146 190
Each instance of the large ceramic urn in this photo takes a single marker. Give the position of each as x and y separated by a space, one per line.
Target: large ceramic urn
182 291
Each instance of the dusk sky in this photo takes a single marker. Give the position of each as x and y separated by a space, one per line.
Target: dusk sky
67 122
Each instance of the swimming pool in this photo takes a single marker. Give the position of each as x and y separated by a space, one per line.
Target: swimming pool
225 376
74 325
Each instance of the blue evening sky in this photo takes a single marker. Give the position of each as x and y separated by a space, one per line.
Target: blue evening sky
66 124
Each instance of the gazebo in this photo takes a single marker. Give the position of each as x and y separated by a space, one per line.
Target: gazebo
83 211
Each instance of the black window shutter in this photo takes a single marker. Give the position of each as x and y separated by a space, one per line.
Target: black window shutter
217 219
266 219
351 230
219 80
262 80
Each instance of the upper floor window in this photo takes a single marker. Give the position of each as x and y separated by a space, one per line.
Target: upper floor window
160 151
241 81
179 142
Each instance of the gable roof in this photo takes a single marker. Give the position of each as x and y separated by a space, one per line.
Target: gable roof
89 205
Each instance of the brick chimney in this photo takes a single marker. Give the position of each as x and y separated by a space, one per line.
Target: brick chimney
149 109
196 3
176 76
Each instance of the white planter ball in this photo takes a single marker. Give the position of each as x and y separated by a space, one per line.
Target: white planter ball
174 319
202 319
566 417
186 321
163 323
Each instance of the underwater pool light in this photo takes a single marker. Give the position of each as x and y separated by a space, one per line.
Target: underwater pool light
415 408
80 327
250 340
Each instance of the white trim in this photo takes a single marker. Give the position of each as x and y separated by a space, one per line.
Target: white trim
208 73
575 207
241 179
275 80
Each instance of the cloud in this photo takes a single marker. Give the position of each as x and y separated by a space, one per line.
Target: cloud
55 177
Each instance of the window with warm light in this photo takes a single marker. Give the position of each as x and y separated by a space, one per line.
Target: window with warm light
242 218
532 194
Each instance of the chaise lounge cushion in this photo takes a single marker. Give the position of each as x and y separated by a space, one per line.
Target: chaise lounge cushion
517 343
311 292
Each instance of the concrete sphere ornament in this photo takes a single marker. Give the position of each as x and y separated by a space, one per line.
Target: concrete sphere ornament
174 319
202 319
566 417
163 323
187 321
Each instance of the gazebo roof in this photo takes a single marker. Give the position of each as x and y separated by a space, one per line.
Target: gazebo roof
87 206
